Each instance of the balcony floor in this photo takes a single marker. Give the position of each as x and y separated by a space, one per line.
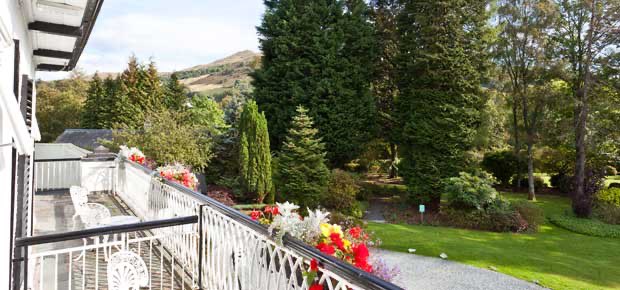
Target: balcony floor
53 212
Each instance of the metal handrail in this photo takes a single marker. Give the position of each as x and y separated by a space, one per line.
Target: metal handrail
106 230
330 263
58 159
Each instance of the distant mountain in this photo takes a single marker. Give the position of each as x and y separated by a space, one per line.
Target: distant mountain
231 72
223 74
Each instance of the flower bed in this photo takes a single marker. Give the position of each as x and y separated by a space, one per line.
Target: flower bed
134 154
349 245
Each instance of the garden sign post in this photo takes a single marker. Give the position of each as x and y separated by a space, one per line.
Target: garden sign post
421 210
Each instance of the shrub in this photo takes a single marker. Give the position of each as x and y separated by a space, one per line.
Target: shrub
504 218
608 213
609 196
345 220
530 212
469 191
585 226
538 182
614 185
610 170
341 193
370 189
502 164
562 182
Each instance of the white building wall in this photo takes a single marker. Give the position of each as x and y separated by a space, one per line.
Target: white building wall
13 25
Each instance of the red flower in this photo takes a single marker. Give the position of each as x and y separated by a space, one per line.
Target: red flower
269 209
336 240
275 210
255 215
325 248
360 251
355 232
314 265
363 265
315 287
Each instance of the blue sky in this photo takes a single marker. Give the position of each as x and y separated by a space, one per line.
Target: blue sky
176 33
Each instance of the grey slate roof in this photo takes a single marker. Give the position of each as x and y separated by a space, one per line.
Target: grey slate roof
84 138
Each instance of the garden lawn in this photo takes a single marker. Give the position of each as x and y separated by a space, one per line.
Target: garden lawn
555 257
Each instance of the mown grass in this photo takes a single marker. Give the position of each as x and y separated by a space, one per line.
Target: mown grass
555 257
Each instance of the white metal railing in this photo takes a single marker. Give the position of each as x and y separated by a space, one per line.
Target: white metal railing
56 173
74 264
227 250
237 252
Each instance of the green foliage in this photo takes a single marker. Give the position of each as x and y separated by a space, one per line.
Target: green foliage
318 54
533 214
609 196
538 182
93 112
302 174
607 213
341 195
140 93
585 226
58 105
254 154
503 165
175 94
371 189
206 113
562 182
470 192
168 137
443 60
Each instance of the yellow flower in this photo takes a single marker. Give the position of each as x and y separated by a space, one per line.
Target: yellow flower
327 229
346 243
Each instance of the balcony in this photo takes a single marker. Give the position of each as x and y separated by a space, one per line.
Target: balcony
180 239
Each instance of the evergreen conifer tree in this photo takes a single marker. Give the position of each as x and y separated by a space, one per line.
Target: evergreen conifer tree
441 64
254 153
95 97
175 95
317 54
302 173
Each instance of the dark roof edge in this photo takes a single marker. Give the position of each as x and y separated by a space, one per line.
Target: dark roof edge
88 22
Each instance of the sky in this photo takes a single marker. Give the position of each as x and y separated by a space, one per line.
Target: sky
176 34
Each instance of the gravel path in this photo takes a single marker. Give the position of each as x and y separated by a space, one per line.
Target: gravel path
375 210
419 272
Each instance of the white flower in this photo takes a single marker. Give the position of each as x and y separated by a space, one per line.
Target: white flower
287 208
443 256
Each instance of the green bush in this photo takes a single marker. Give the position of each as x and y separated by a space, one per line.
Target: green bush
530 212
588 227
499 217
341 195
609 196
502 164
538 182
370 189
469 191
607 213
562 182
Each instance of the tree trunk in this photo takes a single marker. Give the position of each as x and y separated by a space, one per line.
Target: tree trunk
394 155
531 193
581 202
515 125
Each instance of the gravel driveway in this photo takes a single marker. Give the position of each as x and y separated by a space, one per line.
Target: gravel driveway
419 272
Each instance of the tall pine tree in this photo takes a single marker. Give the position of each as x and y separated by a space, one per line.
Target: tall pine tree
441 64
317 54
176 93
254 153
302 173
92 115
